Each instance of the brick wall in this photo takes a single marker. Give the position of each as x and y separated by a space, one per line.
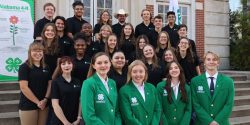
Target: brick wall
151 9
199 31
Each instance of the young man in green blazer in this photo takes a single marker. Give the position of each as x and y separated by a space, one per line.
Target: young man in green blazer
212 94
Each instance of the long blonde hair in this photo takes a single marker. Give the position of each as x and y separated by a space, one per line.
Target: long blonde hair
102 28
158 41
132 65
35 46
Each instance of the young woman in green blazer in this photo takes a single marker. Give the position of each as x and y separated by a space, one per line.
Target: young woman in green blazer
138 100
99 94
175 97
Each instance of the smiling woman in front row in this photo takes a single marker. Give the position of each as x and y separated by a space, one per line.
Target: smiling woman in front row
175 96
99 94
138 99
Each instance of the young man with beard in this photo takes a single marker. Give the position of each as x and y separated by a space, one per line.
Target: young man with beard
117 28
75 23
212 94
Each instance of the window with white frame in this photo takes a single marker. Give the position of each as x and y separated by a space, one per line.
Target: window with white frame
93 8
164 7
104 5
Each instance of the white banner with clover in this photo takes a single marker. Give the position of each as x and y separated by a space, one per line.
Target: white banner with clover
16 31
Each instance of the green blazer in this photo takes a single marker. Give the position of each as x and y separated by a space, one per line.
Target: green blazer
136 111
98 106
177 112
212 108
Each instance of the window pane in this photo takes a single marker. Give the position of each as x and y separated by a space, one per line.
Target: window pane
160 9
110 12
166 8
86 3
100 3
87 19
108 4
184 20
184 11
86 12
99 10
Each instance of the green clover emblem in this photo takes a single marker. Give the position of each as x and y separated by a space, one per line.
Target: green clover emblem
13 64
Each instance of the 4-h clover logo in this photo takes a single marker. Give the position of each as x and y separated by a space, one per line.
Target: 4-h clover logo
13 28
133 100
12 65
100 97
165 93
200 88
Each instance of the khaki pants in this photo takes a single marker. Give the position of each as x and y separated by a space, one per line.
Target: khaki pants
33 117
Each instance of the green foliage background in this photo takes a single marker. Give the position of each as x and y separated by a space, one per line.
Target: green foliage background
240 38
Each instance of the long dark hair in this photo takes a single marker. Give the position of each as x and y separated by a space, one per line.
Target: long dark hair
64 22
131 37
189 53
100 21
184 97
138 51
54 47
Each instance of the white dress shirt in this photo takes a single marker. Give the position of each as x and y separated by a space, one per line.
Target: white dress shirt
209 80
176 89
140 88
105 82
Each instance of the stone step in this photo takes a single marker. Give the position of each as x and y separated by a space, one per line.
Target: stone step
9 118
241 100
9 106
242 84
242 91
240 120
240 111
230 72
239 77
12 85
9 95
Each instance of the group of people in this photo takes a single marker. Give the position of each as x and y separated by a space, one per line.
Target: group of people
149 75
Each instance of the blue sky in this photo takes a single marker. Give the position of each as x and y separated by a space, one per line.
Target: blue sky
234 4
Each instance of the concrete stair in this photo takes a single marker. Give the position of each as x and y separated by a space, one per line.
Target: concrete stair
9 99
241 110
